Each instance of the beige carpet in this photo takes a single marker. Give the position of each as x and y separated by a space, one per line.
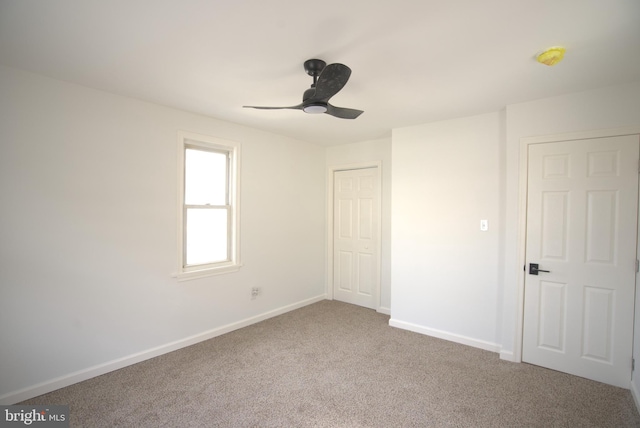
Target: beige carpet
336 365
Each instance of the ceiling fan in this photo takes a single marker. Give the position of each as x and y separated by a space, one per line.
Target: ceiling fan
328 80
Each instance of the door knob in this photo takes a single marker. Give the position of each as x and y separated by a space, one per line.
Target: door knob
533 269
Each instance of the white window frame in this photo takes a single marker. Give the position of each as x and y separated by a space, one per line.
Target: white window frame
232 149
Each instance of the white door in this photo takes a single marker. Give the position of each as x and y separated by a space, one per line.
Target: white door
355 237
582 227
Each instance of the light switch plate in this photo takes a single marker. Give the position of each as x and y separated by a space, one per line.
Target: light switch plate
484 225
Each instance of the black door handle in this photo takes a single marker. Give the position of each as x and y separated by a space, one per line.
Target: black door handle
533 269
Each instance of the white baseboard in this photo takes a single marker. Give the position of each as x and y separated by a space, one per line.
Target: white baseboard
382 310
635 394
508 356
452 337
100 369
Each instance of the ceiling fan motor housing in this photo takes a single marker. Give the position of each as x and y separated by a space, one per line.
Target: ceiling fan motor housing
312 107
308 94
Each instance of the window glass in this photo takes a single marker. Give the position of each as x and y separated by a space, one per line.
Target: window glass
206 236
205 177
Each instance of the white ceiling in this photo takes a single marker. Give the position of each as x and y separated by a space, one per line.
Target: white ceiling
412 62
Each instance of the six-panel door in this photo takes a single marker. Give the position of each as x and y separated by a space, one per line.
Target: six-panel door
355 237
581 227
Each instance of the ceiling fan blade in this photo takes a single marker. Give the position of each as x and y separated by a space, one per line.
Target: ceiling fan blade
343 113
331 80
298 107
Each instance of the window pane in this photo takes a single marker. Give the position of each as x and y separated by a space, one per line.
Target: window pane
206 236
205 178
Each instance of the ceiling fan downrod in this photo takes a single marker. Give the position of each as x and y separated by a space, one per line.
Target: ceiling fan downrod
313 67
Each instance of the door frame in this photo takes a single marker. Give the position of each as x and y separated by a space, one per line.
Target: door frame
522 211
330 198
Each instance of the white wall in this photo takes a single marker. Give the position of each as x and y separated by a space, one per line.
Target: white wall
88 232
377 150
445 272
448 279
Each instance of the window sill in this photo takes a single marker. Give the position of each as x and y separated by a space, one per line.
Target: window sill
202 273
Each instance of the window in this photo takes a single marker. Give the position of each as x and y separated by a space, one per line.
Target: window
208 235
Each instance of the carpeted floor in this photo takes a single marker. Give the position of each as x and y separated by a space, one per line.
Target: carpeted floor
331 364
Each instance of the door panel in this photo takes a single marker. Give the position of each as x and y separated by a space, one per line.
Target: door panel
582 228
553 312
554 225
355 237
598 321
344 270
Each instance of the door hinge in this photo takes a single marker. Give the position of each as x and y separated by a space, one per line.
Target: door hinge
633 364
637 265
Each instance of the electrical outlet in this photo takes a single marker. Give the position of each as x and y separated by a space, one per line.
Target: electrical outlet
255 291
